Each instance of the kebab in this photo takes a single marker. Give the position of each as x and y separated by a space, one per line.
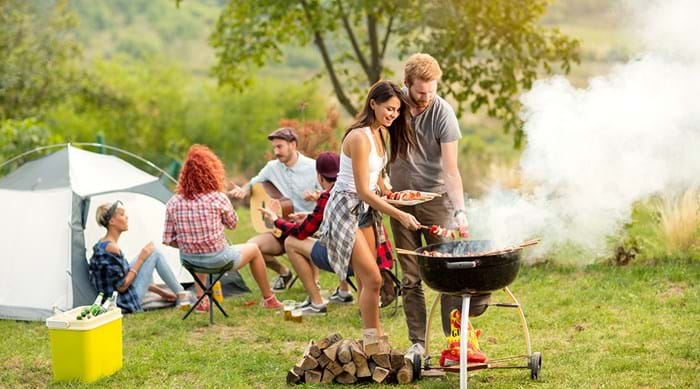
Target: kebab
452 233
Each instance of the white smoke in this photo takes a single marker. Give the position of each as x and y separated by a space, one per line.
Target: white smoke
594 152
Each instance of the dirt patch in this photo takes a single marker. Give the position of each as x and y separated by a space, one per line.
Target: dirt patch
293 347
223 333
13 363
30 373
674 290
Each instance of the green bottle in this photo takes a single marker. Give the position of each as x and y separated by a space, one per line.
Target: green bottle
95 305
112 300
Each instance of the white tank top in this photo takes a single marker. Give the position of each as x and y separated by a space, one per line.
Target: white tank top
346 181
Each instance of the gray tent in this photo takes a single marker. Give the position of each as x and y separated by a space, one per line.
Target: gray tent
48 207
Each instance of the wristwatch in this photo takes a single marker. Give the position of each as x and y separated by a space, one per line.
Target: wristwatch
457 212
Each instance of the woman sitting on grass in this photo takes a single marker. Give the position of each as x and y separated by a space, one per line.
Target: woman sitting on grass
195 220
110 271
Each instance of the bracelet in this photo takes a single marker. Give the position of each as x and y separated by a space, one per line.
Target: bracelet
133 271
457 212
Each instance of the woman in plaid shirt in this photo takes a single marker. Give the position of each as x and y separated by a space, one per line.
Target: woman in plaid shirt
197 216
110 271
352 226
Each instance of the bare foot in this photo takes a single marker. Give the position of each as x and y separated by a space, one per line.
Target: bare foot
165 294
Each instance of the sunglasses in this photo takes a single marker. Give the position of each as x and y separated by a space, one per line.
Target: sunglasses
110 212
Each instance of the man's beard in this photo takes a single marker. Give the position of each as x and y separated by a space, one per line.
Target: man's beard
419 103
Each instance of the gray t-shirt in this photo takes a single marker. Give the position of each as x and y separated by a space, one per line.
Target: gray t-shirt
423 170
291 181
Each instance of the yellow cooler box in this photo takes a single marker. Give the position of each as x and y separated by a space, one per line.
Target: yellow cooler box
85 350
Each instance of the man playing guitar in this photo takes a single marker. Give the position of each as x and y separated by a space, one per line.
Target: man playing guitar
294 175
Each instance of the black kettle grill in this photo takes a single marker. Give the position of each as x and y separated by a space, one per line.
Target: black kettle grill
459 269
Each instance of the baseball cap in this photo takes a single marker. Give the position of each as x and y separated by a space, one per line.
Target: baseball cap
328 164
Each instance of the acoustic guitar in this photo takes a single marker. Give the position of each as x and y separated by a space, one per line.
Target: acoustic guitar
266 195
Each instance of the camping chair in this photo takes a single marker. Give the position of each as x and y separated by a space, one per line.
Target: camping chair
208 289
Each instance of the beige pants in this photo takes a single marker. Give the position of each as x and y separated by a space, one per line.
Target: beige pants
439 212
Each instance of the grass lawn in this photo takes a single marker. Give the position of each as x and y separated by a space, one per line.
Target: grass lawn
599 326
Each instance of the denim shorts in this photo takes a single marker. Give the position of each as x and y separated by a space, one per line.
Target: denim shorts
319 257
366 219
214 260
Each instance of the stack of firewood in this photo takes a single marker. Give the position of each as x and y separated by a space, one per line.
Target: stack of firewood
347 361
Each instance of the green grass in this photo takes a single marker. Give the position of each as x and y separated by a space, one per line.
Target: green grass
601 326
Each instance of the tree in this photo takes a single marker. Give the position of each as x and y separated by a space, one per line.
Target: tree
39 56
19 136
490 50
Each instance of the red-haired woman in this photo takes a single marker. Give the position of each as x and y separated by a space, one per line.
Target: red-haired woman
197 216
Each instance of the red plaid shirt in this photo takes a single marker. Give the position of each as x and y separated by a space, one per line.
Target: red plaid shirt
385 257
310 225
197 226
301 231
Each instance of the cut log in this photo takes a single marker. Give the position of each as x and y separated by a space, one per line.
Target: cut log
327 377
332 350
312 376
360 360
298 370
397 359
379 374
370 342
308 348
314 350
362 368
335 367
350 367
292 377
378 345
405 373
344 351
323 360
308 363
345 378
329 340
357 349
382 360
371 365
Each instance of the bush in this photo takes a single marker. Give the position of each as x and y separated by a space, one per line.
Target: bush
679 221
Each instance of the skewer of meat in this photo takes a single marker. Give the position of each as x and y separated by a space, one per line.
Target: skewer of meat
454 233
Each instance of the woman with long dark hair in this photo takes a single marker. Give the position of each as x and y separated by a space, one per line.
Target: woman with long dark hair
352 226
195 220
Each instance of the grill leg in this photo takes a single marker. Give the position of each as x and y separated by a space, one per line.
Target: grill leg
523 322
426 361
463 335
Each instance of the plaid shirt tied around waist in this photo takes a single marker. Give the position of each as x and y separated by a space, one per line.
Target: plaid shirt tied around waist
339 230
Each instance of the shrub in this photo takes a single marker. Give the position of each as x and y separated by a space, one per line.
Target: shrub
315 136
679 220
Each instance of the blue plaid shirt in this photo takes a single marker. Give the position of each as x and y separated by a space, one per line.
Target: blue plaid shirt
107 272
